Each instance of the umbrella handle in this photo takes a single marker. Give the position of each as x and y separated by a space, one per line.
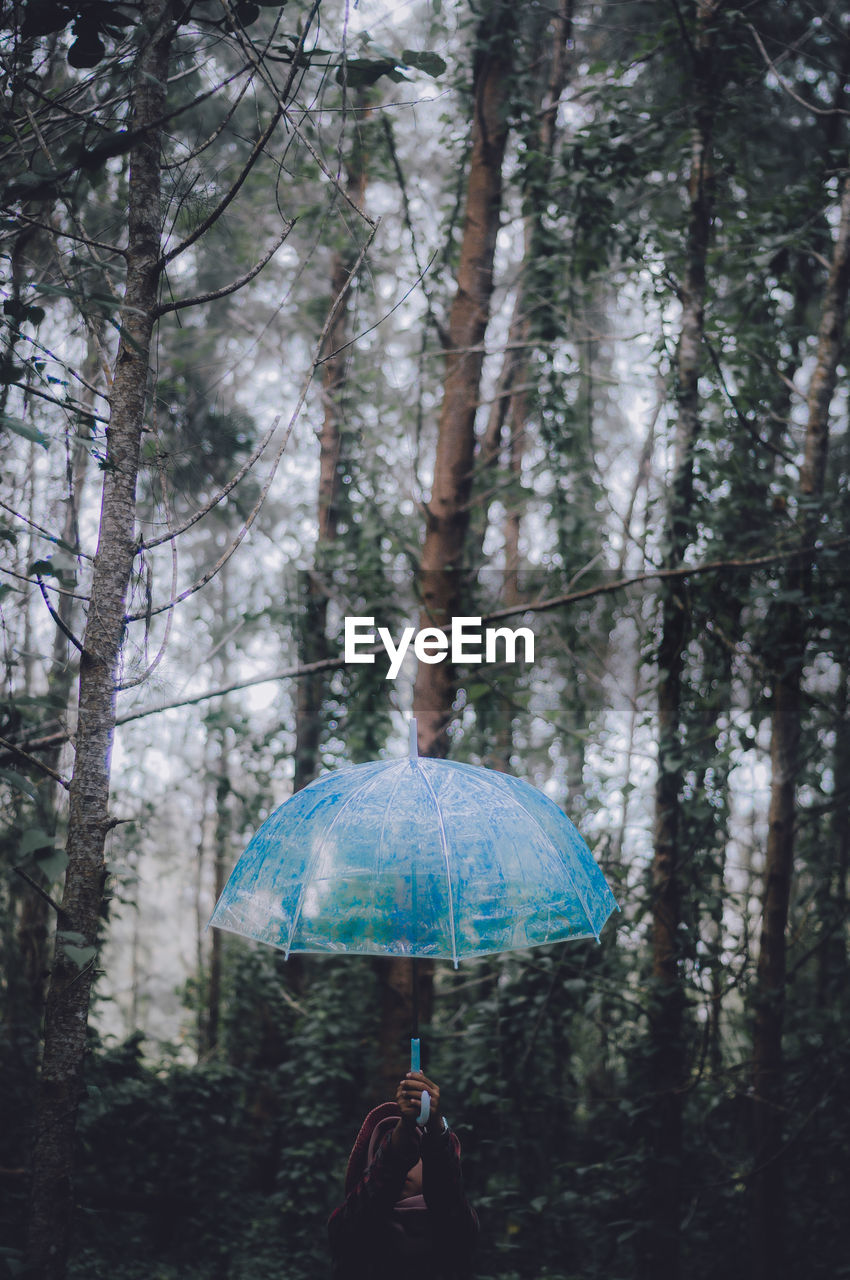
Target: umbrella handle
425 1101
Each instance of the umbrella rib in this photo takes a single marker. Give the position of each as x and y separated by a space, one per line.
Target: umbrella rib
387 807
314 857
444 844
551 842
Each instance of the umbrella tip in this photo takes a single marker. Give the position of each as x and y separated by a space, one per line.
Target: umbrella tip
413 740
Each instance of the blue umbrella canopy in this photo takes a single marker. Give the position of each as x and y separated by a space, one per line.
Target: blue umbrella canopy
415 857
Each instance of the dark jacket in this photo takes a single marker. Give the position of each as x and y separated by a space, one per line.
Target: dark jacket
376 1235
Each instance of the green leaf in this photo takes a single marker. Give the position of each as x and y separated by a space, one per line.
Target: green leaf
19 782
71 935
25 429
34 838
87 50
103 299
53 864
424 60
80 956
75 947
358 72
10 372
45 18
21 311
43 569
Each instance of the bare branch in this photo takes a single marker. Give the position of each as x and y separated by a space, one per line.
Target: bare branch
748 426
218 497
93 329
213 216
69 235
24 577
288 673
661 575
63 404
66 630
305 142
386 316
42 893
256 151
137 680
121 142
539 606
225 120
235 285
37 764
282 96
228 552
45 533
89 386
817 111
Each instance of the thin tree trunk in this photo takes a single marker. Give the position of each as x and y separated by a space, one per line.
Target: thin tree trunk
33 924
70 984
790 644
510 406
447 512
221 867
832 954
661 1255
310 693
202 910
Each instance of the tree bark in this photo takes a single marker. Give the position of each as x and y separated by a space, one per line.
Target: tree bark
221 867
661 1253
314 647
504 437
447 512
71 978
33 930
790 637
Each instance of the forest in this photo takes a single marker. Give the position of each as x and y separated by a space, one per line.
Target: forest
416 312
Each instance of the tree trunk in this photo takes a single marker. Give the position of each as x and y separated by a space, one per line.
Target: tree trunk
313 642
33 929
447 512
504 437
661 1255
76 941
789 654
221 868
832 954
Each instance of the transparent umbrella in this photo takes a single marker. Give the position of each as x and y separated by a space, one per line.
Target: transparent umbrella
415 857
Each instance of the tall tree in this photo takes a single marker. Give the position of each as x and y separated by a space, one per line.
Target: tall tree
89 819
447 511
788 656
667 999
313 607
146 257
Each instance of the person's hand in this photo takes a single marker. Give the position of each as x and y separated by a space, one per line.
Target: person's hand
409 1098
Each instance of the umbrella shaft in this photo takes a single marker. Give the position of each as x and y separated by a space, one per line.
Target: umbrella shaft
414 998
